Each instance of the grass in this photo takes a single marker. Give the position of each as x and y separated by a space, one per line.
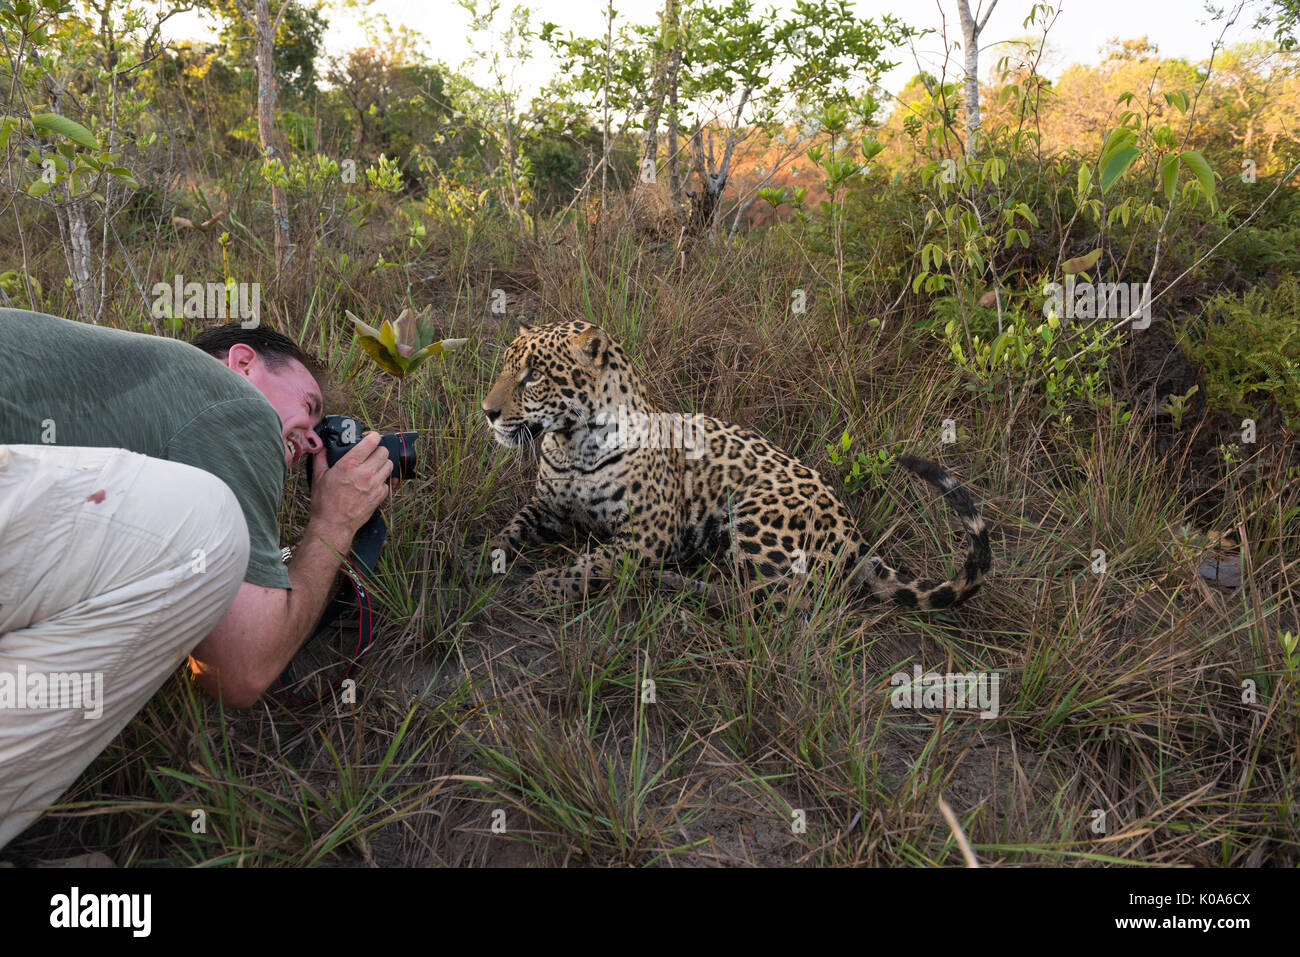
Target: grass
484 732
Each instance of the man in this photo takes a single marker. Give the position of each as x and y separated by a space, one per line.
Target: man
140 481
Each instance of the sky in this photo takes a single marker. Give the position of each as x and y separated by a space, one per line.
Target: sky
1177 27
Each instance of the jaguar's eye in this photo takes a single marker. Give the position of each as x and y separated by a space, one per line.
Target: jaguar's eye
531 378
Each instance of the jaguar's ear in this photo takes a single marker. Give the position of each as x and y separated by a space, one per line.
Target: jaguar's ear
589 346
524 327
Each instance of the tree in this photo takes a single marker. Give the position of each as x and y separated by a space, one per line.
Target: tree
265 29
972 26
396 102
733 71
296 40
1283 16
496 108
667 62
73 112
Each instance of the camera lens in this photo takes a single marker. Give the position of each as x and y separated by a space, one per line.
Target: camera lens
401 450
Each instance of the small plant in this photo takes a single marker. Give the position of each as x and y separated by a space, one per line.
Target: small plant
1290 683
402 346
386 177
1176 406
1231 454
1045 353
859 466
1290 654
14 285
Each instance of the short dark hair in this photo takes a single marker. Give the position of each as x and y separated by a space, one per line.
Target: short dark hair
273 348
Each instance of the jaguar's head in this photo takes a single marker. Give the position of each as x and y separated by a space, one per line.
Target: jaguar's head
554 378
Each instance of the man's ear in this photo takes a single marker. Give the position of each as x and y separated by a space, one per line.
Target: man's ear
241 357
589 346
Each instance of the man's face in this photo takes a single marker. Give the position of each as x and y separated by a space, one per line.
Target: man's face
294 394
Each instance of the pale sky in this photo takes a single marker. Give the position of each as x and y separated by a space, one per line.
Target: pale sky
1177 27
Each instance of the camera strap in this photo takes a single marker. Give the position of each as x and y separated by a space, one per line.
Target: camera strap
352 593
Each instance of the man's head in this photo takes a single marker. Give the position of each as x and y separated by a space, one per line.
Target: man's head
288 377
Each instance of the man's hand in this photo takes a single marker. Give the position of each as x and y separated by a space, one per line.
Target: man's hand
265 627
344 496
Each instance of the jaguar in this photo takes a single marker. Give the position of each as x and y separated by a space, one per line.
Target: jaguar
667 488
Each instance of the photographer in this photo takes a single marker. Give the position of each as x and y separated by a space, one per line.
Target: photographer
140 482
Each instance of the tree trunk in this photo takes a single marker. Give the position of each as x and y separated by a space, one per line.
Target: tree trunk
663 68
713 177
74 230
265 31
970 32
80 257
604 140
674 170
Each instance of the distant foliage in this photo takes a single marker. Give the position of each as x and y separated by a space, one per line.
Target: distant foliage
1247 348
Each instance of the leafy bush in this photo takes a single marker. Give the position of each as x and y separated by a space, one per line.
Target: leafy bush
1248 350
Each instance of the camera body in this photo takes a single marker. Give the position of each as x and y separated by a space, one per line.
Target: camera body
340 432
316 659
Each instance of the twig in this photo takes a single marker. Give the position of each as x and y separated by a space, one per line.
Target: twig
966 852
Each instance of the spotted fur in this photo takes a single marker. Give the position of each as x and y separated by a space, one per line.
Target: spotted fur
570 385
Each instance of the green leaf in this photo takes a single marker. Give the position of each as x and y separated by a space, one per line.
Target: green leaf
1169 173
1117 165
388 336
65 127
7 124
436 348
1085 180
38 188
381 355
1204 175
999 346
1121 138
1080 263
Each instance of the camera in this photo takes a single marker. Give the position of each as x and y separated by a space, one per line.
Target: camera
340 432
346 627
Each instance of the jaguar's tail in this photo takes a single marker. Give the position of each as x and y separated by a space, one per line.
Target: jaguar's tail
885 582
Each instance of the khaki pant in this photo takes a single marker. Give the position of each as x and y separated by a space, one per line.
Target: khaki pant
113 566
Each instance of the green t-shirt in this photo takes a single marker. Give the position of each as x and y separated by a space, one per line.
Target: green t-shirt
106 388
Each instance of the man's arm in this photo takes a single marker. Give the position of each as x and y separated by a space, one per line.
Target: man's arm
264 627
